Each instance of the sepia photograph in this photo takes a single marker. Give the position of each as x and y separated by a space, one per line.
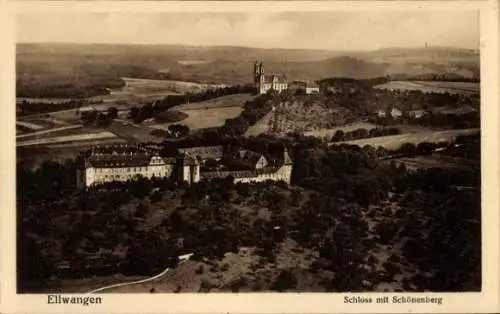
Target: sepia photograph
248 152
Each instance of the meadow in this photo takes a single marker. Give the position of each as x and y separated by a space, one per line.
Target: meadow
138 91
67 138
236 100
395 141
204 118
49 132
466 88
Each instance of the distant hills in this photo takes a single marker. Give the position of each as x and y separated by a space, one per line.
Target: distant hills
226 64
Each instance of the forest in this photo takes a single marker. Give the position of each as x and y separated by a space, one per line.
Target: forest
334 206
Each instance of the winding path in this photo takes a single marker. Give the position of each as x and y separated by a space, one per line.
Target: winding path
130 283
182 258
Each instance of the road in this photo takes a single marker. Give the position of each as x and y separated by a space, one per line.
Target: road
182 259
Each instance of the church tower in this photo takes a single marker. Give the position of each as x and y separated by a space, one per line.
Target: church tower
256 77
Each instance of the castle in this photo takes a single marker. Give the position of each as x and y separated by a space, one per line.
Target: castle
189 165
263 83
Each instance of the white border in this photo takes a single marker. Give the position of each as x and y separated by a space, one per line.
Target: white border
486 301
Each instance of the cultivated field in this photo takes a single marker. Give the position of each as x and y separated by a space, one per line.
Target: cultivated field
433 86
204 118
137 91
132 132
68 116
237 100
436 161
395 141
29 125
67 138
48 132
47 100
192 62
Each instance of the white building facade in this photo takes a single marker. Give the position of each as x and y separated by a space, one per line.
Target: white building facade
124 163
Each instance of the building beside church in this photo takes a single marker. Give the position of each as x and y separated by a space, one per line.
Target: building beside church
265 82
124 163
306 87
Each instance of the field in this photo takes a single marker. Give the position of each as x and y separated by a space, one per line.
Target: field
29 125
132 132
67 138
345 128
49 132
192 62
395 141
433 87
237 100
210 113
136 92
204 118
436 161
47 100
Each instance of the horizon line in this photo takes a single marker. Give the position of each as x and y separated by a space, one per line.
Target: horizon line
246 47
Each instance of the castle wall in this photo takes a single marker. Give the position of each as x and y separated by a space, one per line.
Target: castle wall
284 173
101 175
89 176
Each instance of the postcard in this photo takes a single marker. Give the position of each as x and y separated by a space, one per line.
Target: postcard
250 157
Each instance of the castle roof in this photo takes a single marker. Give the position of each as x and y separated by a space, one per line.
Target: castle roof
204 152
249 156
286 158
237 173
121 156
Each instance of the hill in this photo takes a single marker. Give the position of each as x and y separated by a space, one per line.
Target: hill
77 67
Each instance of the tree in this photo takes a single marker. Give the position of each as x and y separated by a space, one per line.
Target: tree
338 136
286 280
112 112
103 120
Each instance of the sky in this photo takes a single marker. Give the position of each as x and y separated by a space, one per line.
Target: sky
296 30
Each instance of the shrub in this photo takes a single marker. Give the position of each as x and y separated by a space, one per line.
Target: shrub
286 280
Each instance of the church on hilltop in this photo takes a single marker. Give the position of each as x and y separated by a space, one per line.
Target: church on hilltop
263 83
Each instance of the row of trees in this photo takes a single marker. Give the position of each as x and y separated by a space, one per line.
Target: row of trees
100 119
363 133
33 107
430 119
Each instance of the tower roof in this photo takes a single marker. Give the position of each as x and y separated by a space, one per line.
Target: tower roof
286 158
